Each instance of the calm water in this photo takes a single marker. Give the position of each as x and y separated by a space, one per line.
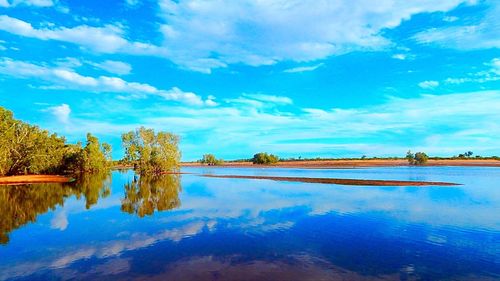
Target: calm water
111 227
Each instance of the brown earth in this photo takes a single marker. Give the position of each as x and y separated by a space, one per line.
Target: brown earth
26 179
337 181
324 164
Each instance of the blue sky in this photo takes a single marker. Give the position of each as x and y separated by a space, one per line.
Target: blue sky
295 78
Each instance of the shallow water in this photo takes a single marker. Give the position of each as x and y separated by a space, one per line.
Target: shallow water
196 228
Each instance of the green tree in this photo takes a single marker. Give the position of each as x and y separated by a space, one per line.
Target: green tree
264 158
211 160
410 157
152 153
26 149
94 156
421 158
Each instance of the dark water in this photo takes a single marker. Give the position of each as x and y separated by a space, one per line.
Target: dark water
195 228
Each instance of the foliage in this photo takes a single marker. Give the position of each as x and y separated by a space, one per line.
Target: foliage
264 159
95 157
153 153
410 157
211 160
148 194
419 158
27 149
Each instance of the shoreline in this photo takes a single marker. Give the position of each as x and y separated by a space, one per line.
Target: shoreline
346 164
338 181
30 179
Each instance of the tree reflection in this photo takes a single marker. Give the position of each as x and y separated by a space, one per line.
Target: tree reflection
93 186
21 204
147 194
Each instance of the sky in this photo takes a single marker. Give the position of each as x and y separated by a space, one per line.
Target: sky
309 78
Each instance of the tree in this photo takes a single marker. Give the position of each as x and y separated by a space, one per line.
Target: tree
210 160
27 149
152 153
263 158
468 153
95 157
420 158
410 157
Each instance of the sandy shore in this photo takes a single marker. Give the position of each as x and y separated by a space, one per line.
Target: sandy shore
337 181
359 163
33 179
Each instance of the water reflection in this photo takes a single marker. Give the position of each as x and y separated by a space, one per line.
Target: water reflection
228 229
147 194
22 204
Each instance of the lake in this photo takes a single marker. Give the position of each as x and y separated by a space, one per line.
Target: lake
188 227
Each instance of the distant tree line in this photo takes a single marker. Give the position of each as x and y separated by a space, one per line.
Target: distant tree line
27 149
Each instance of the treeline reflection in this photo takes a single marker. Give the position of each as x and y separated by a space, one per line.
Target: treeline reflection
22 204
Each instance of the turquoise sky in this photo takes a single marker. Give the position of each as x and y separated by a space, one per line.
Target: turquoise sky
295 78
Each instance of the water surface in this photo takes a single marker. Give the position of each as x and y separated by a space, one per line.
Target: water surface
187 227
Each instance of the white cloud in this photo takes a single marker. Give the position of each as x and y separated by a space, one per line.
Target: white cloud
270 98
428 84
246 124
484 76
132 3
115 67
200 36
59 220
303 68
59 78
34 3
482 35
60 112
450 18
106 39
495 65
399 56
37 3
266 32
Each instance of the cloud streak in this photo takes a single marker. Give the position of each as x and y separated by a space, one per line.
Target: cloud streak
60 78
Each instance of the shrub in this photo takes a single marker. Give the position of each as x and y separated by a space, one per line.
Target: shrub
210 160
263 158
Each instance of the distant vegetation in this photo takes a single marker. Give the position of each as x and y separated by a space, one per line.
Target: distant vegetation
211 160
27 149
263 158
419 158
150 152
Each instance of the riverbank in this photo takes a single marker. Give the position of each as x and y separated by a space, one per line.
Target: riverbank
358 163
27 179
338 181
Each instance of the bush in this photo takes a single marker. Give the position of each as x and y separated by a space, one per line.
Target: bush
263 158
210 160
419 158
